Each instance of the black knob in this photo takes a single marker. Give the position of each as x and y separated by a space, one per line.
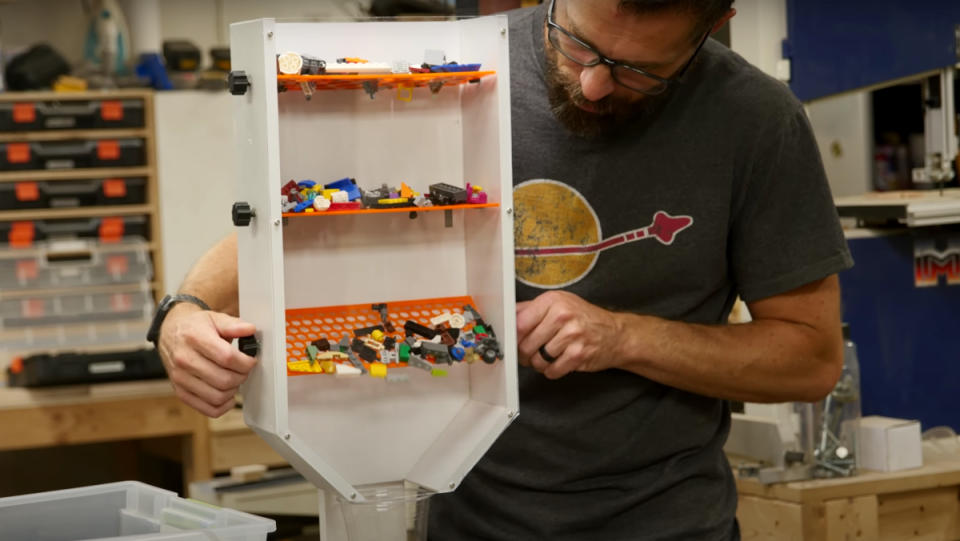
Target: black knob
249 345
242 214
238 82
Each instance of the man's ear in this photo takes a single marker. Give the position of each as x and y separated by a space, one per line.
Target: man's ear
723 20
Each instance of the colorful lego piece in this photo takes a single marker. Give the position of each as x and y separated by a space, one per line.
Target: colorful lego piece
476 195
348 370
348 185
378 370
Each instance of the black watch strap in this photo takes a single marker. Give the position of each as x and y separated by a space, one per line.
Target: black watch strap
168 302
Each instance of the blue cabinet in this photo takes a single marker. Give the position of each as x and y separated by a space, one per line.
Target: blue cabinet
839 46
908 338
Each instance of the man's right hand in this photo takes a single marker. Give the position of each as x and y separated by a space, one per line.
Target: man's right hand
205 369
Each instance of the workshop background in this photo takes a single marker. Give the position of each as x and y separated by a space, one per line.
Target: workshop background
145 83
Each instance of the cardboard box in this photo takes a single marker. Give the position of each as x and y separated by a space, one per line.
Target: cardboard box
888 444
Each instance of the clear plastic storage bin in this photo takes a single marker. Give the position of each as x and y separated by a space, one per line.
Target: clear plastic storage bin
102 335
65 309
126 510
75 263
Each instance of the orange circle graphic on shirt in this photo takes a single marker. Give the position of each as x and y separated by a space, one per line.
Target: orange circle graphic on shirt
549 213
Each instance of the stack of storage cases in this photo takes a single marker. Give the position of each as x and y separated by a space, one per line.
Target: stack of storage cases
322 277
78 221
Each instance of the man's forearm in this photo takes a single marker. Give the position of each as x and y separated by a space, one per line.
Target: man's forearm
761 361
214 277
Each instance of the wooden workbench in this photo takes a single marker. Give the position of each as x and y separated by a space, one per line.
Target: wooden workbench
106 412
232 444
915 504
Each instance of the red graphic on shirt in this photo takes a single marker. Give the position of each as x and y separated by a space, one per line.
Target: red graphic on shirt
558 238
664 228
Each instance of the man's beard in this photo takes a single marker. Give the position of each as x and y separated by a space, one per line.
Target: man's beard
611 113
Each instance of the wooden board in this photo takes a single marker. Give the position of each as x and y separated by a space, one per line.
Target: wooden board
932 514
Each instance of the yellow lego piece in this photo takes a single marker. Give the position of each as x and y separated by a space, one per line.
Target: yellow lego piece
378 370
328 367
406 191
304 366
476 189
393 200
377 335
328 193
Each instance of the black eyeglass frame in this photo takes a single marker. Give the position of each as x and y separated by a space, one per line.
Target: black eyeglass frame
611 63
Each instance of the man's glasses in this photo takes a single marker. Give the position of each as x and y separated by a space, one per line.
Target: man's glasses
626 75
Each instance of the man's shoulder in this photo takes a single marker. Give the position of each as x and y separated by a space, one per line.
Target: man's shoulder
520 18
732 83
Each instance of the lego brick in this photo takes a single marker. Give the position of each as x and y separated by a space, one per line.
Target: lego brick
412 327
378 370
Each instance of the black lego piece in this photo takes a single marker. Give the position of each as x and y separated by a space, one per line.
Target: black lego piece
412 327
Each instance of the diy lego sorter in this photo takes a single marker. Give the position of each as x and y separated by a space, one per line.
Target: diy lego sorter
319 274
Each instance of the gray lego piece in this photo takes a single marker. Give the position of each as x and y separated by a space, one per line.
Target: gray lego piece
418 362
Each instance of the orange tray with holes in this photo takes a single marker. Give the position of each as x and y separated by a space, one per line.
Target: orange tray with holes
383 80
334 322
390 210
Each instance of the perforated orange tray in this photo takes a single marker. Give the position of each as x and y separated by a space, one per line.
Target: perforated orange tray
383 80
334 322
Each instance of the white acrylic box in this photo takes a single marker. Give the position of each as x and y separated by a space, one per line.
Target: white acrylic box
349 432
888 444
125 510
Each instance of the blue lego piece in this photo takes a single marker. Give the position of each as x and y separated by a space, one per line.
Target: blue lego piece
466 343
306 184
303 206
457 353
347 185
454 67
151 67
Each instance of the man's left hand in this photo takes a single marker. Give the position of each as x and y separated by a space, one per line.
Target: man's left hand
578 335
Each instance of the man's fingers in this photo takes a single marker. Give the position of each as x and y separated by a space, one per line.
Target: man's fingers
231 327
207 343
529 316
201 389
196 403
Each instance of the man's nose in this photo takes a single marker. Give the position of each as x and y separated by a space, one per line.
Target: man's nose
596 82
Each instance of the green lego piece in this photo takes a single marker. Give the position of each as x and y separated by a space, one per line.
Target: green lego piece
437 373
479 329
312 352
404 353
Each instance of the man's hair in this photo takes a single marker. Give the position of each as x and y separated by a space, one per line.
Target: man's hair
707 12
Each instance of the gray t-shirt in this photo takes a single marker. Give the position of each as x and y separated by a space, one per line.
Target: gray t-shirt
720 193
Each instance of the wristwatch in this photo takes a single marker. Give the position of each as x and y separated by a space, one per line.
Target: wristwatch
168 302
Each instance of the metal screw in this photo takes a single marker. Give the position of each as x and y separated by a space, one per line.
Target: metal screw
503 31
453 486
286 436
511 414
509 211
353 496
276 222
269 34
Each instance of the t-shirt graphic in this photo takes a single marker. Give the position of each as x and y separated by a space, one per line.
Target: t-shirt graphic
558 238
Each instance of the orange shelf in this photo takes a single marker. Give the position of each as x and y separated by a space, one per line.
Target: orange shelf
305 325
383 80
382 211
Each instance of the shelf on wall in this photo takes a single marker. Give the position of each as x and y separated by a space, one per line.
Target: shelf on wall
390 210
69 135
75 174
75 212
382 80
305 325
